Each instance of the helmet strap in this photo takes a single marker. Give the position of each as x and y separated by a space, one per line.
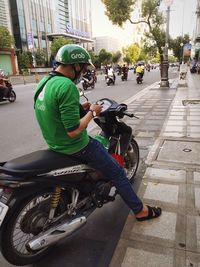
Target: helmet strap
77 73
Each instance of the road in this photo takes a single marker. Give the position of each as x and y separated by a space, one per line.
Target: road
94 244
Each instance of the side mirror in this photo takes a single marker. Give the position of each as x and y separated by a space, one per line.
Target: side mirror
81 93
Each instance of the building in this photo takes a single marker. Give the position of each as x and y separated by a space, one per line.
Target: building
196 38
7 55
31 21
5 16
73 21
110 44
36 22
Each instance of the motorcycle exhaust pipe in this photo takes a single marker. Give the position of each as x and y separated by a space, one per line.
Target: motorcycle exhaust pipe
54 234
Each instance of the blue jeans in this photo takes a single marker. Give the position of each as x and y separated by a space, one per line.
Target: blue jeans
95 155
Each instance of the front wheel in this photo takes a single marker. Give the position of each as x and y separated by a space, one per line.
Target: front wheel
28 220
131 159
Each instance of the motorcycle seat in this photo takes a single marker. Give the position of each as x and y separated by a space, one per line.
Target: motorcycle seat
38 162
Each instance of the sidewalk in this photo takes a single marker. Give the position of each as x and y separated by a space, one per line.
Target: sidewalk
171 154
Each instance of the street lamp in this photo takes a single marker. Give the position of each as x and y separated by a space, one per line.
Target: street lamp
181 53
165 65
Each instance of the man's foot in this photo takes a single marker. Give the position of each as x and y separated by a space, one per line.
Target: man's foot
148 213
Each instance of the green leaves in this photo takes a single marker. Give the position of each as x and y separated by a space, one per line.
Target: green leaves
131 53
118 11
58 43
6 39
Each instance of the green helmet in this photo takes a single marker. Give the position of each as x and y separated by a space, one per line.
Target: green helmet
73 54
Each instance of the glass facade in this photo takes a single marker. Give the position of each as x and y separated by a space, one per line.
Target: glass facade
31 21
3 19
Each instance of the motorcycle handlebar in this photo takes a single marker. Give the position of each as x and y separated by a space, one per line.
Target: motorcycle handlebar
131 115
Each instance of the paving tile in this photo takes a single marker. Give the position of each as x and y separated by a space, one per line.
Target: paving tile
154 122
193 118
162 192
194 135
197 197
198 232
141 258
163 227
192 259
196 177
146 134
193 123
174 128
150 127
175 117
180 151
177 113
175 122
168 175
172 134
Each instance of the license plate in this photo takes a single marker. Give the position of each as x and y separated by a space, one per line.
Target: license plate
3 211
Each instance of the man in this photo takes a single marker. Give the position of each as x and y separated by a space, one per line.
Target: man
111 72
140 70
58 114
125 71
4 90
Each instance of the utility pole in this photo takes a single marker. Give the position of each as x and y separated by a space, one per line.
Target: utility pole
165 65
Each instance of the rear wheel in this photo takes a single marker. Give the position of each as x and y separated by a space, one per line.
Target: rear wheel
84 86
28 221
132 158
12 97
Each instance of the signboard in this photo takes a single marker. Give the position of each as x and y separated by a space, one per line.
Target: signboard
30 40
69 29
187 50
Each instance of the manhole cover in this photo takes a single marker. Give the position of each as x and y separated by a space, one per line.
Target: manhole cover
190 102
180 151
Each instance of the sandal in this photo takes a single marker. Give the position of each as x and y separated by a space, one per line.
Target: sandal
153 212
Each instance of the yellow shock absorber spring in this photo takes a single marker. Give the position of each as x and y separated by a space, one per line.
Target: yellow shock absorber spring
55 197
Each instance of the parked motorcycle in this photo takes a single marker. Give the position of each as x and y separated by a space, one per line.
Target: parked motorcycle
110 80
139 78
46 196
7 94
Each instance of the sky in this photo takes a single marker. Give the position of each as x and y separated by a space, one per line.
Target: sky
182 18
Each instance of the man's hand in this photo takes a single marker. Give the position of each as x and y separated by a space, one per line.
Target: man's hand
97 108
86 105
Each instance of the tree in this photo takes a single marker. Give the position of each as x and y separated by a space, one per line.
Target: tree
131 53
175 45
116 57
95 59
30 58
40 57
6 39
105 57
58 43
23 61
119 11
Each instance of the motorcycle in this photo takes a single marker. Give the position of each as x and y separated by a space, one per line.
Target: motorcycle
7 94
94 76
139 78
110 80
124 76
86 83
46 196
